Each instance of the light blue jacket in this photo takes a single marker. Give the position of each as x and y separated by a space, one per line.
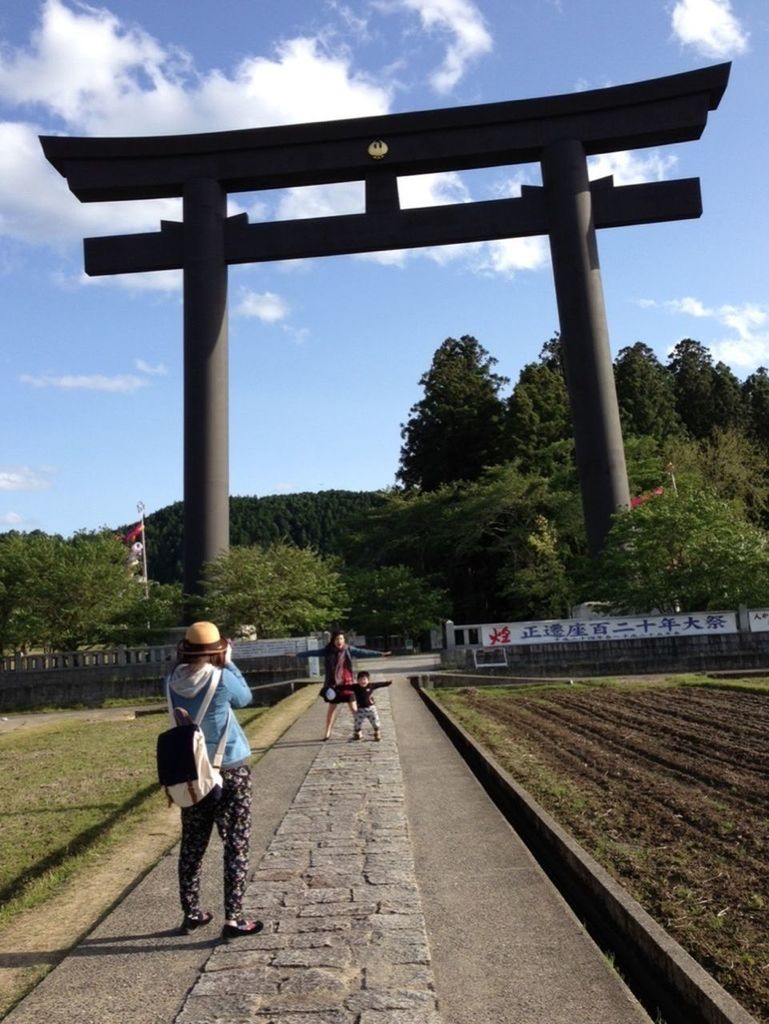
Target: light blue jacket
187 686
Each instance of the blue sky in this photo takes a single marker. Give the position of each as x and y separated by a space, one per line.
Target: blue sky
326 354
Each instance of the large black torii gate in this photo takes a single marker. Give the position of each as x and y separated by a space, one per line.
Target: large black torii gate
559 132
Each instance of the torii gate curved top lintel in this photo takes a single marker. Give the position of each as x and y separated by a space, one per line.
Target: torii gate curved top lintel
559 132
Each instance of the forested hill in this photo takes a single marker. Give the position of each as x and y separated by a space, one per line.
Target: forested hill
316 520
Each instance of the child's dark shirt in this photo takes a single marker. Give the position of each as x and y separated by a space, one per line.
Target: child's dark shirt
363 694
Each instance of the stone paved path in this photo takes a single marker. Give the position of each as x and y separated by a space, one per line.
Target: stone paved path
344 938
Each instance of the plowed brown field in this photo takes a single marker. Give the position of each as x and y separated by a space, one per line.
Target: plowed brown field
668 788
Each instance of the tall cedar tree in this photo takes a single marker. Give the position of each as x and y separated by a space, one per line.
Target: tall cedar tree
692 367
457 428
538 416
755 392
728 403
645 393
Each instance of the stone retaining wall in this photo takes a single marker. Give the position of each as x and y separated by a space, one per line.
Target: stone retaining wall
93 686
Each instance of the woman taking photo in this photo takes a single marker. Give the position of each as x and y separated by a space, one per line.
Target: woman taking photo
204 661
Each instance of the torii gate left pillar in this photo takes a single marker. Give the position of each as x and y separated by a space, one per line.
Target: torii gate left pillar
206 378
559 132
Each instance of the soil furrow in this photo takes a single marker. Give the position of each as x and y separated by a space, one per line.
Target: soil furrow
668 788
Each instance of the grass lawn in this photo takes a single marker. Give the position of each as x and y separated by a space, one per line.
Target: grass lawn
68 791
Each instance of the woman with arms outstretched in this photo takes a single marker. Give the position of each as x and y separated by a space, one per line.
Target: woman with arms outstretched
339 677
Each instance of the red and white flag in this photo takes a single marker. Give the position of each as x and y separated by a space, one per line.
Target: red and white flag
134 533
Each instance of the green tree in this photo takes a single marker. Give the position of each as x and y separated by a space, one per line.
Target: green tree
89 587
540 588
393 600
64 594
692 368
460 536
647 464
708 397
306 520
728 463
755 392
457 428
645 394
148 619
281 590
690 551
15 573
551 354
727 405
734 467
538 416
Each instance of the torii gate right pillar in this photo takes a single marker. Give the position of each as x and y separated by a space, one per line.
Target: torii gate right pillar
585 336
206 388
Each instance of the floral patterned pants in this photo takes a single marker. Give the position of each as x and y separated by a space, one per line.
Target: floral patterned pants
232 815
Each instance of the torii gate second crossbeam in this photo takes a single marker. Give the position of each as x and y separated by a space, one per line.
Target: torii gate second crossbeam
559 132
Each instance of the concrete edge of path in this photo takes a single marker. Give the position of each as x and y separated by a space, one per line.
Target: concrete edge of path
655 966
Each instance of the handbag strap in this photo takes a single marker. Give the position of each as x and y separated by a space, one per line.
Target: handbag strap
219 752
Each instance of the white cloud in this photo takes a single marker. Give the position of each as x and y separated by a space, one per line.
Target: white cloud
630 168
11 519
348 197
417 190
77 56
86 71
36 206
301 84
162 282
507 255
510 186
748 345
297 334
744 319
101 77
710 27
690 306
321 201
265 306
463 22
23 478
125 383
742 353
389 257
159 370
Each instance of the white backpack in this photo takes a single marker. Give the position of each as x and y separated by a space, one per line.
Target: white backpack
185 770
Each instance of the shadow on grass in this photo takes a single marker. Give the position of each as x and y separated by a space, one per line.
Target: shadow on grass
79 844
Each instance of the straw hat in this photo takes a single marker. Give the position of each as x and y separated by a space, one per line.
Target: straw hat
203 638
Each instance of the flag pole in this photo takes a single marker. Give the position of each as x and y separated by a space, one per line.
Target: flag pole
140 509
